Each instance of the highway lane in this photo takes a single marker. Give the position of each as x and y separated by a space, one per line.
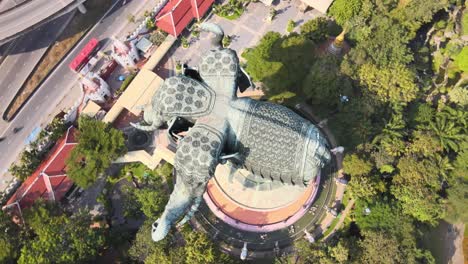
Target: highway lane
6 5
24 56
28 14
59 91
31 14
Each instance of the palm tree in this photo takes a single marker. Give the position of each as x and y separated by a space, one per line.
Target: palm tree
447 132
444 166
391 138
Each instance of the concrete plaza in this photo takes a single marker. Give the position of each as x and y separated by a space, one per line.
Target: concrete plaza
247 30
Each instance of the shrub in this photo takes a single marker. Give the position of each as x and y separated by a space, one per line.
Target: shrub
291 26
125 83
227 41
184 42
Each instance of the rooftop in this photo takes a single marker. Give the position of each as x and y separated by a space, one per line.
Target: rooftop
49 181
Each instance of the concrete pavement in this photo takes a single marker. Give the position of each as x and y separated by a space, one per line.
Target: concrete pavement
23 57
27 15
60 91
6 5
247 30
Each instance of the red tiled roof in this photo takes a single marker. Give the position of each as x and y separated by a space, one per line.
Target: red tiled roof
177 14
60 185
202 5
83 56
57 165
52 170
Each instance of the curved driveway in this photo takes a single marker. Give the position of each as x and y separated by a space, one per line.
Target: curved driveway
29 14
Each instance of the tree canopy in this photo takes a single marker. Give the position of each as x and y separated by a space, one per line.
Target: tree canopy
98 145
60 238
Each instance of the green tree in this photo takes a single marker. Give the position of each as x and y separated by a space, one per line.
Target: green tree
258 64
312 253
98 145
199 249
365 187
11 239
343 10
143 246
448 133
391 137
461 60
281 63
152 200
355 166
424 143
385 215
340 253
324 83
417 187
459 95
60 238
457 201
377 247
458 191
315 29
392 83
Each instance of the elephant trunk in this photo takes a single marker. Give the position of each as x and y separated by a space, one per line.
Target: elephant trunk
217 40
178 203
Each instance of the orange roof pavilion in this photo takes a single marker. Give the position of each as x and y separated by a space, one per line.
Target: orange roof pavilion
49 181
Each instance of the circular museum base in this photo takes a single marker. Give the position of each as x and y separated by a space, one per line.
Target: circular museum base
251 203
267 216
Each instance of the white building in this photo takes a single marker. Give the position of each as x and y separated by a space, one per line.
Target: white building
95 88
125 54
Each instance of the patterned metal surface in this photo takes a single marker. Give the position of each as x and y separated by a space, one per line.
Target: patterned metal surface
272 142
183 96
197 155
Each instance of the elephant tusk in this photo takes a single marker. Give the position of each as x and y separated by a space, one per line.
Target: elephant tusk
217 40
191 212
149 128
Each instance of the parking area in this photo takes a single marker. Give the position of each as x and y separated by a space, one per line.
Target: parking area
247 30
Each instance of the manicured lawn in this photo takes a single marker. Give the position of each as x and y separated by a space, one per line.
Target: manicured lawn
332 226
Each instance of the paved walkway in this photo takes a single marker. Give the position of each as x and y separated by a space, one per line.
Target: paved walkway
340 189
343 216
247 30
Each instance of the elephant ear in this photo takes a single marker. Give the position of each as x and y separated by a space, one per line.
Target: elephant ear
197 157
185 97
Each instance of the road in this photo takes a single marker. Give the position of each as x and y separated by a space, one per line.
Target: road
60 91
30 13
6 5
26 52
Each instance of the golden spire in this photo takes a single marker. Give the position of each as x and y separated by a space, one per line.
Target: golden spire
340 39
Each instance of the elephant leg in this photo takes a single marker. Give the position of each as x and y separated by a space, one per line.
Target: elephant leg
178 203
193 210
195 162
